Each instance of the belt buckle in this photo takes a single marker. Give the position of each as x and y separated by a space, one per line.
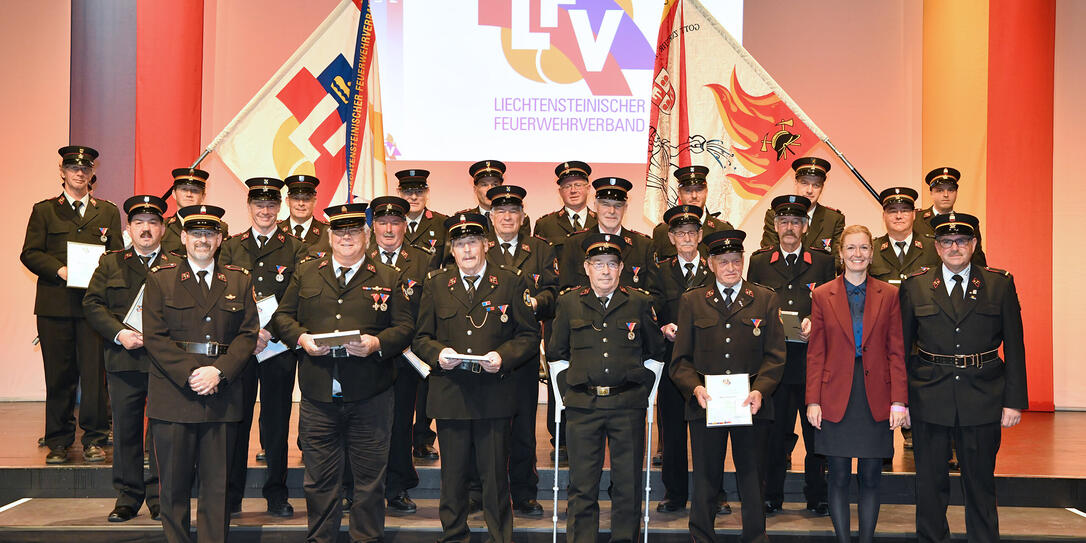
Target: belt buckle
603 391
964 358
476 367
212 348
338 352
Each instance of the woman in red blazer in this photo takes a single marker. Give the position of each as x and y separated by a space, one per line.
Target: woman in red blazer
856 384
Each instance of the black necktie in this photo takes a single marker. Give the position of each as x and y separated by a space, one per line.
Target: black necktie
791 259
576 221
470 284
507 250
298 231
957 294
263 240
147 259
77 205
488 217
343 276
412 226
728 296
603 302
901 251
388 257
689 273
202 274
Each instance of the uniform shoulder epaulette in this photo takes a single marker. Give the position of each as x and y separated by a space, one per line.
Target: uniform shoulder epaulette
764 249
427 250
822 250
581 231
239 234
833 209
569 289
435 272
116 251
767 287
155 269
543 239
998 271
636 233
233 267
637 289
552 213
921 271
510 269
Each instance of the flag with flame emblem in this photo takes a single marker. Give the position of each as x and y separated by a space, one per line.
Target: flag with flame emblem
320 114
713 105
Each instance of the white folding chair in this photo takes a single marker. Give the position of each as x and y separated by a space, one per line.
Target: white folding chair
557 367
657 368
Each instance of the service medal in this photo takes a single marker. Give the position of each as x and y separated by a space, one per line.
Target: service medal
279 273
376 301
757 323
410 290
104 237
635 270
503 308
631 326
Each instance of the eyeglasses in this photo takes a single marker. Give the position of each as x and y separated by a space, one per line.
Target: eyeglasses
600 266
947 243
574 185
685 234
344 232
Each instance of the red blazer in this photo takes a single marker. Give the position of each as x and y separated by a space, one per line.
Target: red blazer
831 350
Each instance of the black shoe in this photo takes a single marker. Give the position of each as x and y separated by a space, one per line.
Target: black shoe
235 509
122 513
94 453
156 511
528 508
401 504
887 464
425 452
261 456
670 506
280 508
724 508
109 438
820 509
772 508
658 460
57 455
474 506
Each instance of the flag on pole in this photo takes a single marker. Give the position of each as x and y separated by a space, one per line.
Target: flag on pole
319 114
713 105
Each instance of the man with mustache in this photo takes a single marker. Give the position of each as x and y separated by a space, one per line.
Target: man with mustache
824 223
793 270
943 182
693 191
200 326
71 350
189 189
271 257
955 318
113 289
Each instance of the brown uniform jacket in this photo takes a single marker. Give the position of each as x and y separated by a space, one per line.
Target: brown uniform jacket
922 228
270 266
920 255
535 259
171 240
555 226
638 262
661 244
824 232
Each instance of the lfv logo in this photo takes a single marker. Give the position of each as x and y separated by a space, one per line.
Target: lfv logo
593 46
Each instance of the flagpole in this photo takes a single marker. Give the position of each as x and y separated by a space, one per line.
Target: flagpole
780 92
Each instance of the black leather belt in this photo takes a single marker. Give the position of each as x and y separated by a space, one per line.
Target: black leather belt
210 348
473 367
338 352
604 391
959 360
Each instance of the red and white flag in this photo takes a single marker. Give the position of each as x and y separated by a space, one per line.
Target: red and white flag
320 112
713 105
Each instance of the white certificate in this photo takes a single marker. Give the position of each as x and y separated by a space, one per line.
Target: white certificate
726 396
134 318
82 261
264 309
273 348
422 367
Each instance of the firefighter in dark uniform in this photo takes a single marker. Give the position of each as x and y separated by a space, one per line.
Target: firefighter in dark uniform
426 231
605 394
957 316
113 289
573 187
943 182
411 265
347 397
189 189
535 259
638 260
271 257
477 308
730 326
693 190
555 227
301 199
824 223
485 175
71 350
793 270
200 326
686 270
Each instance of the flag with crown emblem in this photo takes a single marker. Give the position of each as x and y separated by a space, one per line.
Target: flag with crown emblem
319 114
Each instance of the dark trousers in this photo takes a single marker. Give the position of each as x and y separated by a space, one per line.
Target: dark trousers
672 428
490 440
977 447
332 431
276 401
401 468
708 449
186 451
591 432
238 457
523 477
72 354
788 401
128 390
422 433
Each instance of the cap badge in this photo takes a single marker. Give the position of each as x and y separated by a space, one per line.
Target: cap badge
203 209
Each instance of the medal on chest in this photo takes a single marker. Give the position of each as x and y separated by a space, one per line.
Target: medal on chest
503 309
279 273
630 326
104 237
410 290
757 326
635 270
380 301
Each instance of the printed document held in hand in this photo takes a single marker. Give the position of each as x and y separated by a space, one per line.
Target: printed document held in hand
726 396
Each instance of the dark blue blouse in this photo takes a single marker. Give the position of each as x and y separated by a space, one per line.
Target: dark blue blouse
857 294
